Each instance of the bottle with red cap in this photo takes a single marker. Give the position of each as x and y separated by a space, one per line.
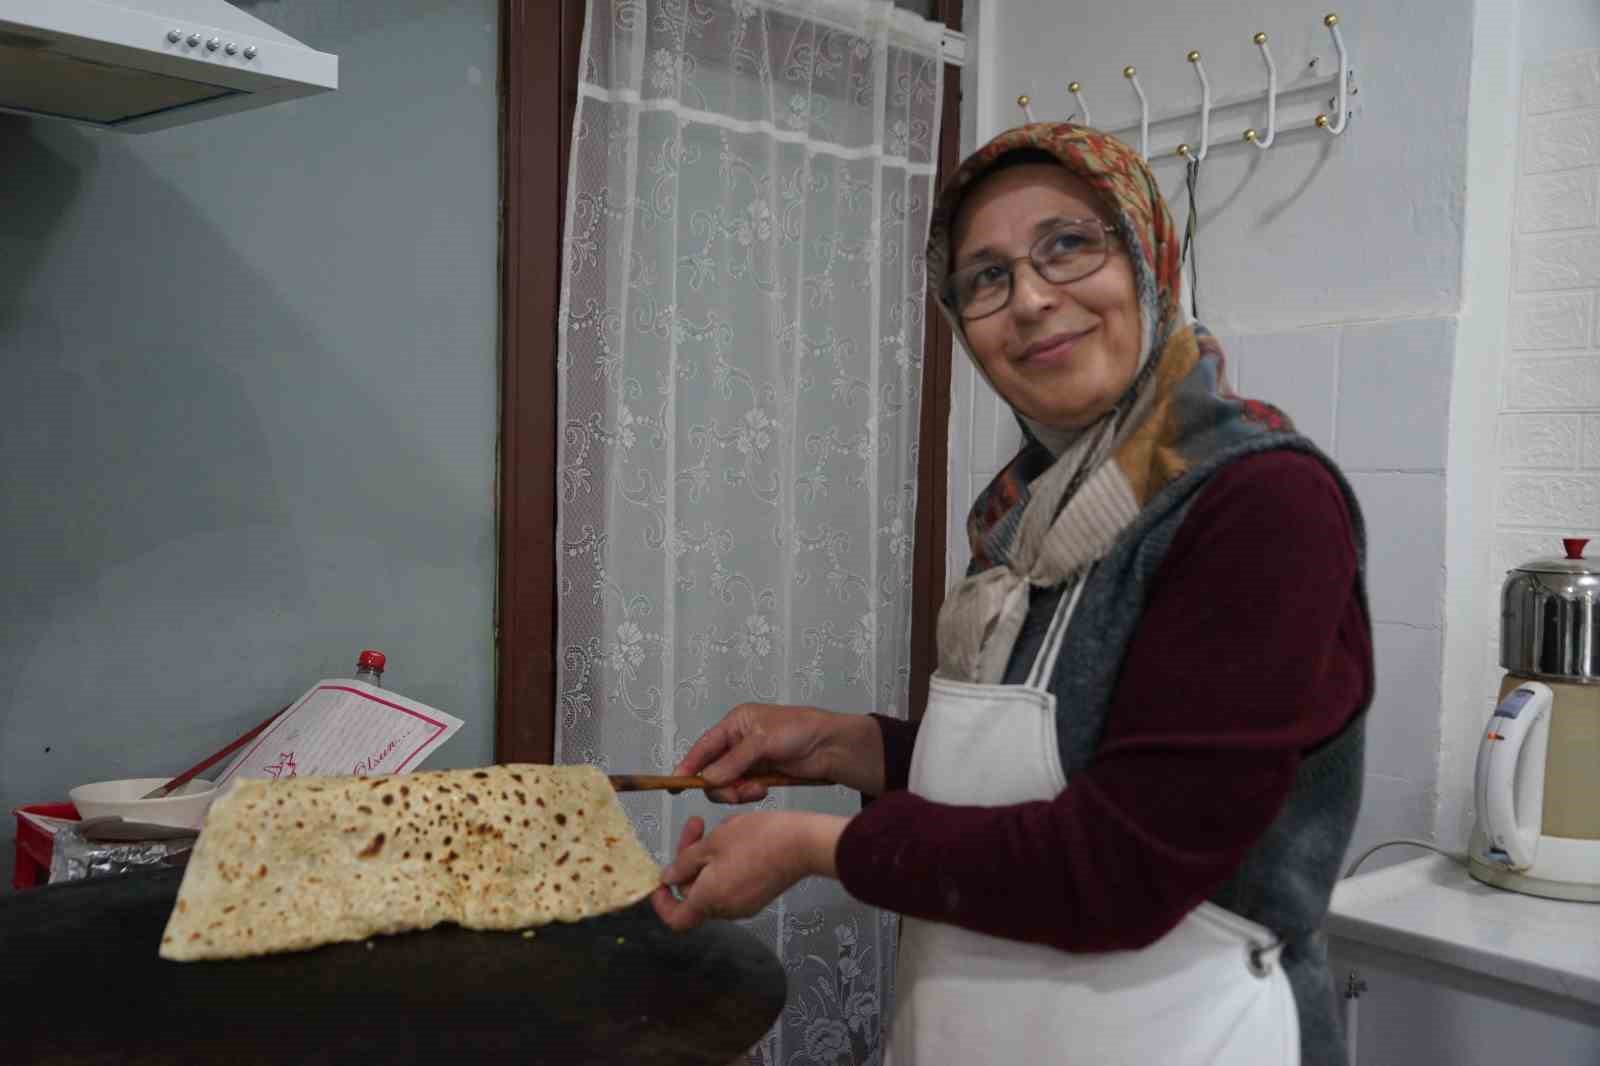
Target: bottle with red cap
369 667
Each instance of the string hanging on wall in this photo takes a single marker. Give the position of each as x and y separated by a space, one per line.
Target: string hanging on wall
1190 259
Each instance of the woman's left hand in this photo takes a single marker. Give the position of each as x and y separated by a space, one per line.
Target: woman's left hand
746 863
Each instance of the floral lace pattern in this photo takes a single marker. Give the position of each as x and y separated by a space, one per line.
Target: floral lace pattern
740 364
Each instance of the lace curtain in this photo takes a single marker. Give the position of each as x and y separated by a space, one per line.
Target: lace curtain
741 355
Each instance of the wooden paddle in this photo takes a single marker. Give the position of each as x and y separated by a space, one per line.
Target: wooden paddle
653 782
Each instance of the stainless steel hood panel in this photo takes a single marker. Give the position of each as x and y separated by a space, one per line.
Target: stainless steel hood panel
140 65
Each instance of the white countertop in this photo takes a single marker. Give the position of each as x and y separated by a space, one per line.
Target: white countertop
1432 909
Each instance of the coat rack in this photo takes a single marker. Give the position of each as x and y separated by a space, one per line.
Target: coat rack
1343 84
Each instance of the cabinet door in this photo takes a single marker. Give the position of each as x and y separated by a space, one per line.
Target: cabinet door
1412 1012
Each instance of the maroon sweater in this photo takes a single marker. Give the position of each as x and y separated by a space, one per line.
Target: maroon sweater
1251 652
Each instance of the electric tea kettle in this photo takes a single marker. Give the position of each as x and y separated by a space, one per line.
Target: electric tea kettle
1538 773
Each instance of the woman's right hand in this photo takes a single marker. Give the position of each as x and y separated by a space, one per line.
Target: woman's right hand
757 738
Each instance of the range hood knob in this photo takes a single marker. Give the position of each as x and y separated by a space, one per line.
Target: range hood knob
249 51
194 40
174 36
213 44
231 48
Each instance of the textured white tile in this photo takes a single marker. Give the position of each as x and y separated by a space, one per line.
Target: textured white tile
1513 547
1403 725
1394 394
1561 382
1591 440
1561 142
1567 262
1563 501
1564 200
1405 545
1539 440
1563 84
1564 320
1296 371
1392 808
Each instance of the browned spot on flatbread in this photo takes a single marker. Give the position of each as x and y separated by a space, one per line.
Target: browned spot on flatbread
372 849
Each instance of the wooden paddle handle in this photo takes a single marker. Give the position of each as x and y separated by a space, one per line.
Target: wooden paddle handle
648 782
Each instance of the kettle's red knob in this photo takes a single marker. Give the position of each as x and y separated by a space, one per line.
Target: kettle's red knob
1574 546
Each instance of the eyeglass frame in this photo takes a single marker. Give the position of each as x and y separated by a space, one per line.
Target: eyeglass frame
946 297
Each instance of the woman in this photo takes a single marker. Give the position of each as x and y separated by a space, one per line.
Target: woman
1115 831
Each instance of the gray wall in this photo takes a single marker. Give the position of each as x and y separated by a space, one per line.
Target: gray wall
248 406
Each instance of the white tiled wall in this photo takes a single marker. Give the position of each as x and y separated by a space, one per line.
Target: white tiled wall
1376 396
1549 433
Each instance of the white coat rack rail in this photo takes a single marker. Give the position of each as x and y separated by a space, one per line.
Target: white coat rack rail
1342 85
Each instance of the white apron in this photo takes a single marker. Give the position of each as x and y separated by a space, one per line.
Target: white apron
1209 993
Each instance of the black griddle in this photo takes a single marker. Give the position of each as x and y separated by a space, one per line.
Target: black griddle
81 983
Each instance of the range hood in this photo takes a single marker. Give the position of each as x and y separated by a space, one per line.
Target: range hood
141 65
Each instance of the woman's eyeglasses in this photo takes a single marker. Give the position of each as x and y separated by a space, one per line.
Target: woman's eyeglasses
1069 251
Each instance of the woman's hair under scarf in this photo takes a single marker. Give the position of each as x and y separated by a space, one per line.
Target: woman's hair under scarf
1061 503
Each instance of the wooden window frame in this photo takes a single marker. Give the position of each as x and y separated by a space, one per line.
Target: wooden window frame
540 50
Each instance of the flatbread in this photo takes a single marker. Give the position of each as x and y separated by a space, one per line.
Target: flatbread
291 865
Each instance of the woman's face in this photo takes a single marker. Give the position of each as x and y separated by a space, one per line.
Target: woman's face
1060 354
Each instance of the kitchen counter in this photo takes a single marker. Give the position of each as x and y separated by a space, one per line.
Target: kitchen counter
1432 909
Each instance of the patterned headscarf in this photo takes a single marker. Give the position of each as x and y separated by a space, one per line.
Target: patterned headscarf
1061 503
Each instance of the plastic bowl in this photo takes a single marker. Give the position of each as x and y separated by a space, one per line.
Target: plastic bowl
185 808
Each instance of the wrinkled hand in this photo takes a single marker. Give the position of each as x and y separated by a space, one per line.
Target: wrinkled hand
756 738
746 863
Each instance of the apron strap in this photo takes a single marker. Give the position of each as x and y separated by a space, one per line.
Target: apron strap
1044 663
